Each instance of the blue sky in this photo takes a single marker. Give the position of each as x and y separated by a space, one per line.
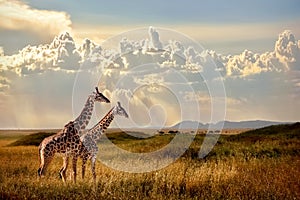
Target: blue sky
255 45
162 12
207 22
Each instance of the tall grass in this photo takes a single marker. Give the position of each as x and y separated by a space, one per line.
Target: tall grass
267 168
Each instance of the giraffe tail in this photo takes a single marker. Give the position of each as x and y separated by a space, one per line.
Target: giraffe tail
40 159
40 152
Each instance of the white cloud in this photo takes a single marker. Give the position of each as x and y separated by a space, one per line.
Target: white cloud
285 57
17 15
287 49
155 42
87 48
144 62
61 54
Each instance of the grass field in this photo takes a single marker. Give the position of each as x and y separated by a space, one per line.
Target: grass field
257 164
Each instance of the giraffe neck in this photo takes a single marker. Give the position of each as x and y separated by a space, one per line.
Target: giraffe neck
101 126
84 118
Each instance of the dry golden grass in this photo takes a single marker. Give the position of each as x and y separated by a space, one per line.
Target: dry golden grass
246 172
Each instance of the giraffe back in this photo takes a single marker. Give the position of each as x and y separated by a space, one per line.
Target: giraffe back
66 141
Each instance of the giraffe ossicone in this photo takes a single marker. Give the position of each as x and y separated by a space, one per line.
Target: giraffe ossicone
84 117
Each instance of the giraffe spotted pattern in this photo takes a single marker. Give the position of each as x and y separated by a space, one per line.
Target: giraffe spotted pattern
67 141
89 149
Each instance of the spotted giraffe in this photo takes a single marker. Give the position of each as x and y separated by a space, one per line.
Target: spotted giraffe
67 141
89 148
62 142
84 117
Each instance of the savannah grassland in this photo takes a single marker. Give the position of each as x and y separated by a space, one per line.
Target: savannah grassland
258 164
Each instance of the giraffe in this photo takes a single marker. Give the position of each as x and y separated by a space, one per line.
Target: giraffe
84 118
89 148
62 142
67 140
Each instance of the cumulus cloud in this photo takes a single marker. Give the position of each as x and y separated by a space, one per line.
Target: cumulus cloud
285 57
153 67
17 15
87 48
155 42
61 54
287 50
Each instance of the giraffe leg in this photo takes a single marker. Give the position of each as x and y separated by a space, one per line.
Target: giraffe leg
45 161
74 163
84 160
63 170
41 170
93 166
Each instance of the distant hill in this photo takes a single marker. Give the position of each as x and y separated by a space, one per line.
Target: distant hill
32 139
254 124
189 125
278 132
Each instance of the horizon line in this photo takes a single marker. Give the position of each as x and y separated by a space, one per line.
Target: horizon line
152 127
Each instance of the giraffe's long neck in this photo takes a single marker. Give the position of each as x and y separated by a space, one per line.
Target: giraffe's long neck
84 118
101 126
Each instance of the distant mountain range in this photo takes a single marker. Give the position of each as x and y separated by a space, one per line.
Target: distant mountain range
226 124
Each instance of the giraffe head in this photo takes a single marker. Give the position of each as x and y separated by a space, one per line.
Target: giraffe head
100 97
119 110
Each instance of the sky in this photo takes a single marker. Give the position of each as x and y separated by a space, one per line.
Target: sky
165 61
